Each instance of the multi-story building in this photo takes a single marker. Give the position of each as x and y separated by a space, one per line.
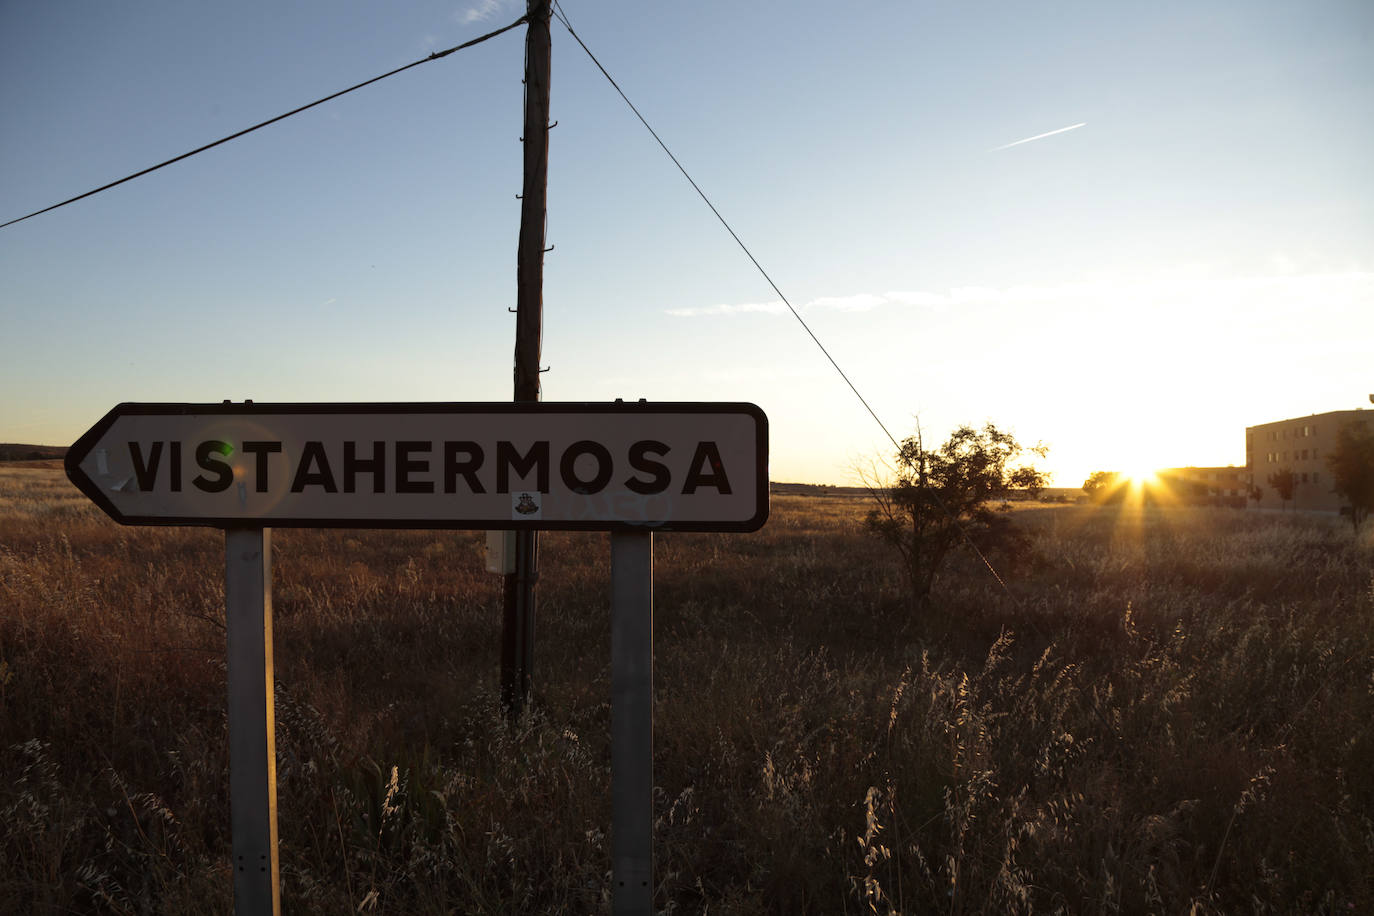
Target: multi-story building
1228 486
1299 445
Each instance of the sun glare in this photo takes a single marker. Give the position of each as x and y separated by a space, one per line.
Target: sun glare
1140 474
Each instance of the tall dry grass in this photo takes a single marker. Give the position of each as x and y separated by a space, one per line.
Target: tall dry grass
1172 710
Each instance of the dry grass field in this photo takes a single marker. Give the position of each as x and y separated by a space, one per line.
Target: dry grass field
1171 711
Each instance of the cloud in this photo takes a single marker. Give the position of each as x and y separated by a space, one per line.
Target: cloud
856 302
479 13
1048 133
755 374
771 308
862 302
917 298
1182 294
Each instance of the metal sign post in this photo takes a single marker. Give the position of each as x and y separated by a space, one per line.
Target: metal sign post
632 722
252 721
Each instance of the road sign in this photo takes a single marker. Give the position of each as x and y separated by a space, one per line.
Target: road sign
569 466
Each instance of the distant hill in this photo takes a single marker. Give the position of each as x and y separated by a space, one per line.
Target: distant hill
1047 495
10 451
811 489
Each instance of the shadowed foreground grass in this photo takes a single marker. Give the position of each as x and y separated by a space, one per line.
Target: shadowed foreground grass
1173 710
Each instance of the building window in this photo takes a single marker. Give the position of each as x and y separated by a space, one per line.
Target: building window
1304 477
1304 454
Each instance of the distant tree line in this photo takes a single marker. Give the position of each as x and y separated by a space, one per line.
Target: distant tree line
10 451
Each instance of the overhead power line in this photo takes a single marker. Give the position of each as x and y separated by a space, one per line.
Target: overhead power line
563 18
424 60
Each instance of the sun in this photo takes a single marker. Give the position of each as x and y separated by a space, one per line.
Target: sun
1139 473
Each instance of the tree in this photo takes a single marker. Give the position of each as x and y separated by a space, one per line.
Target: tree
1351 463
1100 485
940 498
1284 482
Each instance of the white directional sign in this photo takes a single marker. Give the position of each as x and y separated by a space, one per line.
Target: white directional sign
669 466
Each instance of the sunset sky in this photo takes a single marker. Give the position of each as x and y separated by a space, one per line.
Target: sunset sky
1195 255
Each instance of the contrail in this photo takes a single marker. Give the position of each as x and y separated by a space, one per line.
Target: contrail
1040 136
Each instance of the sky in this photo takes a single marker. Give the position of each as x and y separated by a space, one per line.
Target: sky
1194 256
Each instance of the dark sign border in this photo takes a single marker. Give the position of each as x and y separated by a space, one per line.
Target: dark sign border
80 450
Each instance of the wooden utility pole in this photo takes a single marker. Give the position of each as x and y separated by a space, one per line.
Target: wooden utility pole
517 638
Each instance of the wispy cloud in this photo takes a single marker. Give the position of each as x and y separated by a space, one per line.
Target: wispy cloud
479 13
771 308
917 298
1182 291
858 302
756 374
1049 133
862 302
